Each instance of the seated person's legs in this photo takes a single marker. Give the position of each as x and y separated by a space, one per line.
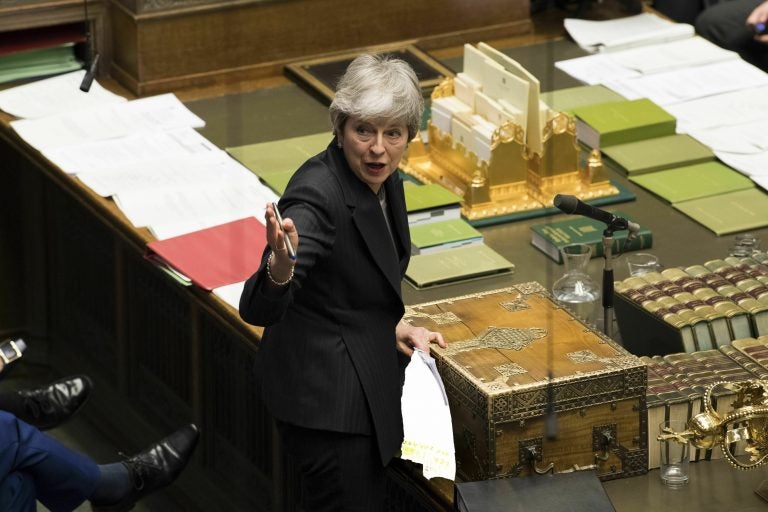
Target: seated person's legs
17 493
63 478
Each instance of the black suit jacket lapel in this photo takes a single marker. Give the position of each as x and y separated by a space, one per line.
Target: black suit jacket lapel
368 217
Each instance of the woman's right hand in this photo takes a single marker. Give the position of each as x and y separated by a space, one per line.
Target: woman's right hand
281 264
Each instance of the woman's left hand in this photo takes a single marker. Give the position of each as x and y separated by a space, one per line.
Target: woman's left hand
409 337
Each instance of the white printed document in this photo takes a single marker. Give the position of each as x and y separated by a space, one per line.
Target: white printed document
54 95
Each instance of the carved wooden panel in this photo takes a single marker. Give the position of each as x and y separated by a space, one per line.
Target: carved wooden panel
165 44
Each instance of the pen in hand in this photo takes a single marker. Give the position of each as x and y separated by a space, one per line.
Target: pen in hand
286 238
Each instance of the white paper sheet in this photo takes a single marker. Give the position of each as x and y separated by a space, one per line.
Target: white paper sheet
691 82
144 147
622 33
427 427
742 106
231 293
109 121
54 95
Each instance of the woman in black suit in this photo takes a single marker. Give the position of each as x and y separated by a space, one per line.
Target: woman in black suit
333 316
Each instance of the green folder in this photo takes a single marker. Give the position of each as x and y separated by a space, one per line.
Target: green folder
462 263
693 181
441 235
658 153
275 162
565 100
729 213
38 62
616 122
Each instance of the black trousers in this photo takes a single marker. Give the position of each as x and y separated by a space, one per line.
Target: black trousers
340 472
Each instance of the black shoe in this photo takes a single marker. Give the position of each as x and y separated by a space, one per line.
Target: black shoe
54 404
155 467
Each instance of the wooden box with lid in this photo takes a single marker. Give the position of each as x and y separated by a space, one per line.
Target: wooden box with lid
502 347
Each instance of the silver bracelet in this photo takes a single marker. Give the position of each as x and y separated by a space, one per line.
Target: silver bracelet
269 273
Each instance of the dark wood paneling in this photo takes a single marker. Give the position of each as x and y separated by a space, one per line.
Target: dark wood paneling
217 41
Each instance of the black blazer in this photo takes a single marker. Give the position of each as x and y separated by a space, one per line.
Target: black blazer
328 356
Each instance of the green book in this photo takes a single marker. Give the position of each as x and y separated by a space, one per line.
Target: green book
430 202
550 237
693 181
442 235
462 263
729 213
275 162
658 153
605 124
565 100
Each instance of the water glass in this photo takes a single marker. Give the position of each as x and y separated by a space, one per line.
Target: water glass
640 263
675 456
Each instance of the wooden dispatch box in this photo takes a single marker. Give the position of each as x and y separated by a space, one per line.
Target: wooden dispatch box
495 370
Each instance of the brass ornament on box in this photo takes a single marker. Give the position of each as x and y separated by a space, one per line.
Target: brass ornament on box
746 423
523 170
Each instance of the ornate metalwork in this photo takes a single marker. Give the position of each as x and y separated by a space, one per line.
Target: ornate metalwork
510 369
515 305
498 337
582 356
444 318
747 422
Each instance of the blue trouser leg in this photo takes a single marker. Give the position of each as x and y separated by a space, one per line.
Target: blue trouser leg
17 493
62 478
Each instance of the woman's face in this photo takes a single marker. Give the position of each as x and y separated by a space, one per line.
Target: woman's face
373 148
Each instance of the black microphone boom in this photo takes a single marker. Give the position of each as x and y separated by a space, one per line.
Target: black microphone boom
92 58
573 205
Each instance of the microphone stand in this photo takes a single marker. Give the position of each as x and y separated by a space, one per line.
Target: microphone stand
608 279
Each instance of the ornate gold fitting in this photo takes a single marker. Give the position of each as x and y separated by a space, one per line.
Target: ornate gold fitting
746 425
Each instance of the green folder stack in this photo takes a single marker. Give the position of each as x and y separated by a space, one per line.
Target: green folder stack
275 162
430 202
442 235
729 213
693 182
658 153
565 100
445 267
606 124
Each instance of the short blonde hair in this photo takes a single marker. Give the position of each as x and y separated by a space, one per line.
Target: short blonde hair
376 87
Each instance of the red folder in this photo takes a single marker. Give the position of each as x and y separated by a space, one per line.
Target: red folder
216 256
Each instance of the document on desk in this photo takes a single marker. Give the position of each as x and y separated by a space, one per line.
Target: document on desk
169 212
209 168
685 84
742 106
54 95
134 149
645 60
754 165
109 121
231 293
749 137
627 32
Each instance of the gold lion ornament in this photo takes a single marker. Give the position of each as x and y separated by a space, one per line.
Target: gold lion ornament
745 425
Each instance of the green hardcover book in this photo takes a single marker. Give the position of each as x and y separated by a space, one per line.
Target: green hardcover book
693 182
617 122
442 235
729 213
658 153
275 162
430 202
550 237
565 100
459 264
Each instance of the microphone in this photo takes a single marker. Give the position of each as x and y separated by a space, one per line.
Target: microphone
85 85
93 56
573 205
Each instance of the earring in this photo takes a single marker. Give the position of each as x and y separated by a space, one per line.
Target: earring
339 144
